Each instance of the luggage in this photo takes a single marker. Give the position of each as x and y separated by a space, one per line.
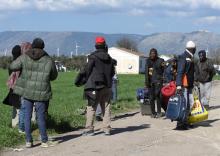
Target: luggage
177 108
143 98
198 113
167 91
142 93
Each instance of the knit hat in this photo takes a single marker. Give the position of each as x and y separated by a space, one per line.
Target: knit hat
190 45
16 52
38 43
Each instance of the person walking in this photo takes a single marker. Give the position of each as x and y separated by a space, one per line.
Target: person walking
185 80
99 72
154 80
33 85
204 73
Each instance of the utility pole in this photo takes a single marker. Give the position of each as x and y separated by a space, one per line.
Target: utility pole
77 46
58 52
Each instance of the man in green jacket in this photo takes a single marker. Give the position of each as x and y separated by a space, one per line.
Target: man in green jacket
33 85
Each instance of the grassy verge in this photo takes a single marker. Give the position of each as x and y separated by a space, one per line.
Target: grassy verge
65 105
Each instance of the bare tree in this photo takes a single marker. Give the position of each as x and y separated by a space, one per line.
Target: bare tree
127 43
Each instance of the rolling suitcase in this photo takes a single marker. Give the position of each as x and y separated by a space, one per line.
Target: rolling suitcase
143 98
177 108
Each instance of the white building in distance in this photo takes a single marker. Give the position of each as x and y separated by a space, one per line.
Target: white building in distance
128 61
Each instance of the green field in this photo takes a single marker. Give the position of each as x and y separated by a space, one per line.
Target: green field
65 105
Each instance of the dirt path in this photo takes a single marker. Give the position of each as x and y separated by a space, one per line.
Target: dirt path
136 135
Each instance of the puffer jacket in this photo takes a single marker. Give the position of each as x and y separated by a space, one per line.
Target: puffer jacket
37 70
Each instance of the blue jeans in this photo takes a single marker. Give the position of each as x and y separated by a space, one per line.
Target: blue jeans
21 117
40 110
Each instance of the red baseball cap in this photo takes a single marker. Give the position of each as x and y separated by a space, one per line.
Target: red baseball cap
100 40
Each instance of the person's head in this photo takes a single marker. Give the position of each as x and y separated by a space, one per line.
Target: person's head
191 47
100 43
38 43
153 54
25 46
16 52
202 55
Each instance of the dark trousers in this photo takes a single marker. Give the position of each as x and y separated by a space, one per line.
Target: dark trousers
155 94
40 110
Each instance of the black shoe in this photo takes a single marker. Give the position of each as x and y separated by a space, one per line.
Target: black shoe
182 127
153 115
98 118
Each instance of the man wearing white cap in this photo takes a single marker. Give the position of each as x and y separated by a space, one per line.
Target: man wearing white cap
185 79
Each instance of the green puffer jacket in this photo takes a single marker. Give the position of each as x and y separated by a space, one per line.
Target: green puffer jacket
37 70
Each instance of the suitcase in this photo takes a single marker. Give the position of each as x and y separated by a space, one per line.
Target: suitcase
143 98
146 107
177 108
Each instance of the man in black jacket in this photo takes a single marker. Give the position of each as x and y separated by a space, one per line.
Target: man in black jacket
185 79
154 81
99 72
205 72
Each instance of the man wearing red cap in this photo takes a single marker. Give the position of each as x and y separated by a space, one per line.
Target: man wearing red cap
99 72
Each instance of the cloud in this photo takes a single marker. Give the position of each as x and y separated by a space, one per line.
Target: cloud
137 8
208 20
149 25
13 4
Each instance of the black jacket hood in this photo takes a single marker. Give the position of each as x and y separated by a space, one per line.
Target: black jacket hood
36 54
102 55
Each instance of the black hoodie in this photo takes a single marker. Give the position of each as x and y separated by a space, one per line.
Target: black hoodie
99 70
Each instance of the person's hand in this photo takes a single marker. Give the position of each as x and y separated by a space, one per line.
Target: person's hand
179 90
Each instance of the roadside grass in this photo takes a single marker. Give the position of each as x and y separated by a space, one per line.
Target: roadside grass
64 109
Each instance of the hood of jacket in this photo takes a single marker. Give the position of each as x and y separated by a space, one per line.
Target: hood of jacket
36 54
102 55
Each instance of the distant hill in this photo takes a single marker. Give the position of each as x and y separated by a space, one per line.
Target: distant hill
166 43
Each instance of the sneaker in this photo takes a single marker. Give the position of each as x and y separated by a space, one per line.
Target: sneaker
49 144
21 131
88 133
29 144
107 133
159 115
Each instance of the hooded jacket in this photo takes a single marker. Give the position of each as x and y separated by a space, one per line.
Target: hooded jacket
38 70
99 70
204 71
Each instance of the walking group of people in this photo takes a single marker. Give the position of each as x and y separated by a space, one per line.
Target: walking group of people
186 73
33 69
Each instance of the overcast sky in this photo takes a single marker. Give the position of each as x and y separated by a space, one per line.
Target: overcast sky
110 16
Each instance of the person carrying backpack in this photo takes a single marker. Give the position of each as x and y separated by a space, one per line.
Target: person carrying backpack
185 80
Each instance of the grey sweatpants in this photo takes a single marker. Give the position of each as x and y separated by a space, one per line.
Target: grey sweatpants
205 91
